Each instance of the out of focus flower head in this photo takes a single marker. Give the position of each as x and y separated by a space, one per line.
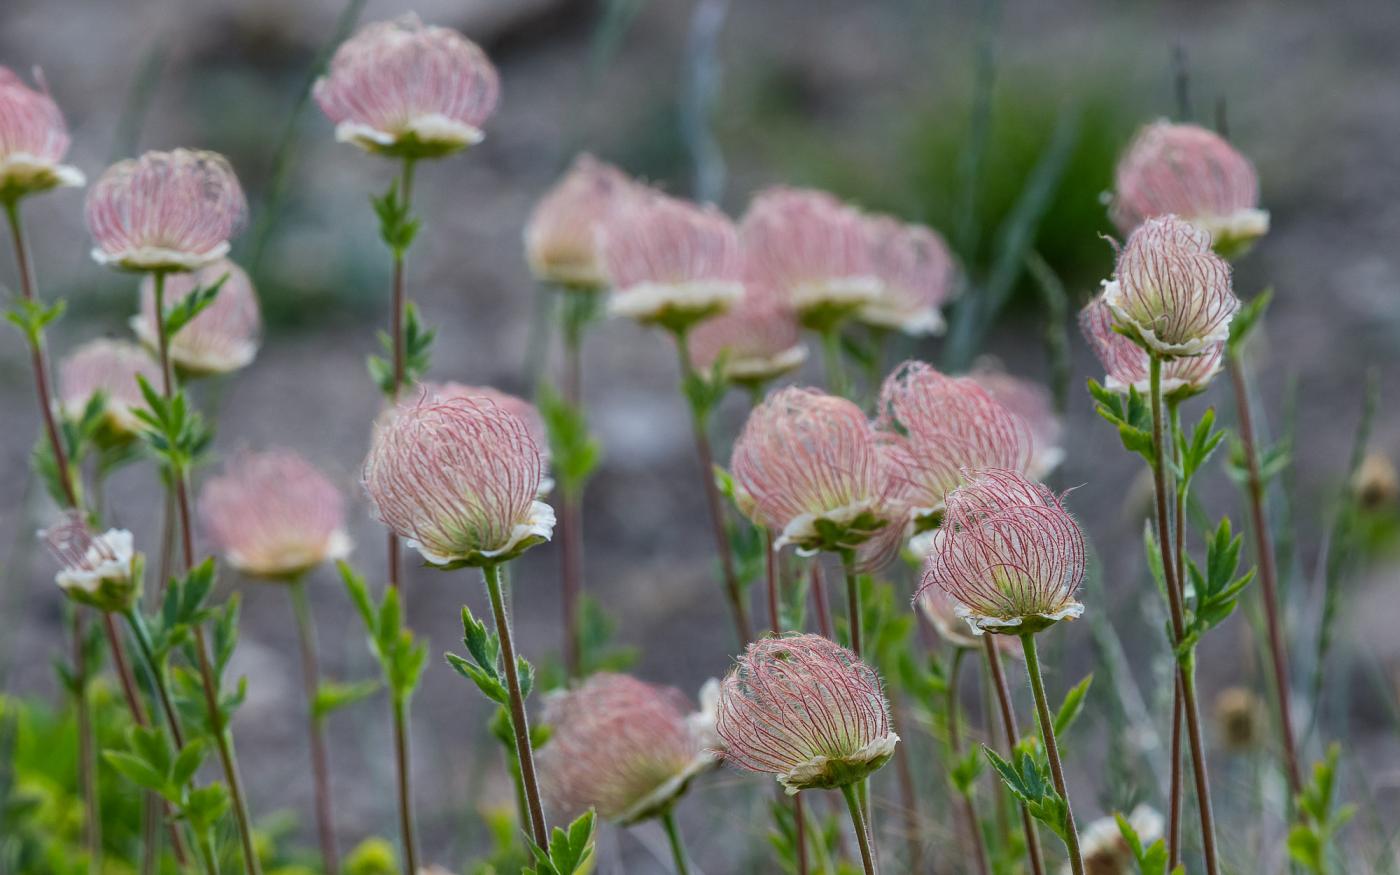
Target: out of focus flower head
755 342
915 273
274 515
1030 401
807 711
109 367
33 140
459 478
165 211
1242 718
1009 553
1104 849
941 611
670 262
1376 484
408 90
103 571
562 235
1126 364
814 251
627 748
1189 171
1170 290
223 337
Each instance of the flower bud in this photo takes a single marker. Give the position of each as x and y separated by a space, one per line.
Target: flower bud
102 571
223 337
109 367
915 274
33 140
1126 364
561 238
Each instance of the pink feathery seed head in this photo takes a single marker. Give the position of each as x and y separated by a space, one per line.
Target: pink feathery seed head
1031 401
528 413
165 211
1189 171
224 336
274 515
622 746
807 711
458 478
812 467
561 238
759 340
103 571
915 273
33 140
1008 552
1126 364
1170 290
814 250
109 367
946 425
405 89
671 262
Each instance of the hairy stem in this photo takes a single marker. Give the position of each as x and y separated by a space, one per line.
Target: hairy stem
823 607
858 822
969 810
1008 725
320 764
836 379
853 611
407 834
1052 751
673 835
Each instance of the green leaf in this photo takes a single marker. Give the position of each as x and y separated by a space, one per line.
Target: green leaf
1152 859
333 695
184 311
1245 320
965 771
574 453
187 762
136 770
1072 706
570 851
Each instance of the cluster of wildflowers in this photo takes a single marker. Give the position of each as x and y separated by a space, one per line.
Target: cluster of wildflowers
33 140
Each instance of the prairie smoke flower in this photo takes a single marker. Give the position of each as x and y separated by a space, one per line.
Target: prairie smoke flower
1171 290
561 238
405 89
811 468
109 367
814 251
458 479
33 140
1194 173
273 515
1009 553
165 211
528 413
670 262
915 274
1126 364
1104 849
807 711
1030 401
757 341
939 426
624 747
223 337
1242 718
103 571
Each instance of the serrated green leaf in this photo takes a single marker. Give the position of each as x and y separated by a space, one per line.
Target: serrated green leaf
1072 706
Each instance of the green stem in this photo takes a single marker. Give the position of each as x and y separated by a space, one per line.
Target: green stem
1177 560
974 826
405 794
1052 751
87 756
205 843
836 380
1008 725
858 822
673 834
320 764
398 302
853 610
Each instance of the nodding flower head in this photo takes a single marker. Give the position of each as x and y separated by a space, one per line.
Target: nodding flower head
103 571
939 426
223 337
165 211
1031 401
33 140
562 236
109 367
1009 553
807 711
812 469
458 478
671 262
1170 290
624 747
273 515
528 413
757 341
1126 365
915 274
1194 173
814 250
404 89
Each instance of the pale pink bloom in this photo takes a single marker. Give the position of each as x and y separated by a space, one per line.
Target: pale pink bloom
1008 552
915 273
109 367
165 211
1171 290
1030 401
458 479
806 711
561 238
103 571
401 88
759 340
1126 364
813 250
812 468
1194 173
671 262
33 140
940 426
527 412
941 611
274 515
223 337
627 748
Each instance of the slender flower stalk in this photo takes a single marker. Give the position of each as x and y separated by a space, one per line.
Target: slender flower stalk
969 810
673 836
87 749
771 557
858 822
992 656
1052 750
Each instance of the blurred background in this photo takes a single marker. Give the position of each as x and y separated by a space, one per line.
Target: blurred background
997 123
